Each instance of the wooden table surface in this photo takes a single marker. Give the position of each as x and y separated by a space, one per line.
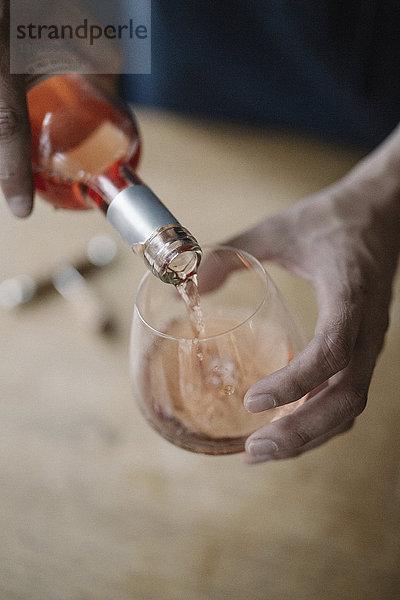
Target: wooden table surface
93 504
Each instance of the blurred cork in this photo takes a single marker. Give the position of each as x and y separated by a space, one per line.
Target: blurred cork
69 279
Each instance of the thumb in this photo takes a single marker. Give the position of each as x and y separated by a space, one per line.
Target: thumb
15 164
264 241
267 240
15 160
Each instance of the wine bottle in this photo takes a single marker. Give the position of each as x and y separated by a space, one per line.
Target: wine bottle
85 149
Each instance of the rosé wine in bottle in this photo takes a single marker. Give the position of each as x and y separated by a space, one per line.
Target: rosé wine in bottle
85 150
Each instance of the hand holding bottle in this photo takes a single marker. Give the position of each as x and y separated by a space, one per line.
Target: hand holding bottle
16 179
84 148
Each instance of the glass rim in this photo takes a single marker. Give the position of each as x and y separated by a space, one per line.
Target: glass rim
266 281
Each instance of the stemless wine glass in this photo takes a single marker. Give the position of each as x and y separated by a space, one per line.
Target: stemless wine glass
191 389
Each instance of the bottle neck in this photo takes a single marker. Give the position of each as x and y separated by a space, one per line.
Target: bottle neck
105 187
172 254
143 221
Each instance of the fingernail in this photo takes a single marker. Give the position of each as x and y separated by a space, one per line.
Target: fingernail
259 402
255 460
259 447
20 206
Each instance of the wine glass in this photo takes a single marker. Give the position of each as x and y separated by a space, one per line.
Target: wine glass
191 389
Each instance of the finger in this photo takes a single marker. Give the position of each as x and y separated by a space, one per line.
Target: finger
317 390
255 458
215 268
270 239
326 354
15 160
218 264
338 404
264 241
309 425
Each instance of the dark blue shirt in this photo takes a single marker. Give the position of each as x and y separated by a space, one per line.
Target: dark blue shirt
330 68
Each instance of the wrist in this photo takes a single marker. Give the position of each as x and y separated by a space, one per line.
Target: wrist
369 196
376 178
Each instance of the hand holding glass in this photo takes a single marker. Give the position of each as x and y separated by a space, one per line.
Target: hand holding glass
191 389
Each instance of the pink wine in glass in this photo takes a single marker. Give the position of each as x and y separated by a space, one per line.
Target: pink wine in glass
192 362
